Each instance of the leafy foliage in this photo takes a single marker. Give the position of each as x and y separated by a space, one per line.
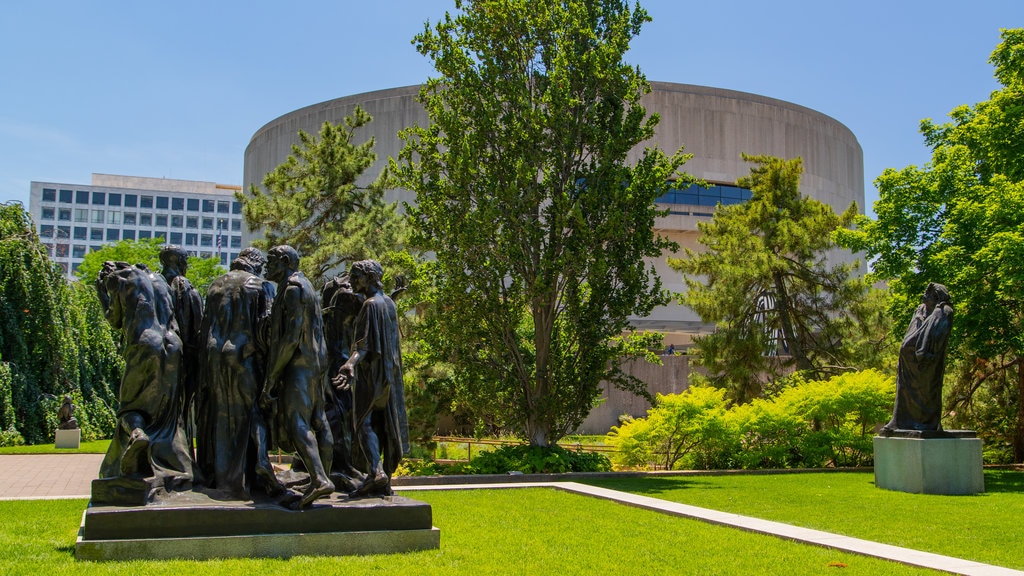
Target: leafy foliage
539 226
314 202
959 221
766 284
538 460
812 424
201 271
52 341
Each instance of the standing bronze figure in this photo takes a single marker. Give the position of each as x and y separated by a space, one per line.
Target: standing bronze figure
296 370
921 364
149 442
188 315
374 371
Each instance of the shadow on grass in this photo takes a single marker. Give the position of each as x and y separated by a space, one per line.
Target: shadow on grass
1004 481
653 485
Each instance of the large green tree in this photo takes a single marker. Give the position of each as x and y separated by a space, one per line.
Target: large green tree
764 279
539 224
53 341
959 221
201 271
315 202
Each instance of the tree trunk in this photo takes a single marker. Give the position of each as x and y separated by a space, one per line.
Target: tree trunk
1018 432
782 302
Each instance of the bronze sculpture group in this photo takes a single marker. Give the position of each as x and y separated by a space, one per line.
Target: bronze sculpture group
261 366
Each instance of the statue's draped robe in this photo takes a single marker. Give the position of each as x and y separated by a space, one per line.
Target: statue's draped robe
920 369
188 314
231 377
140 306
378 381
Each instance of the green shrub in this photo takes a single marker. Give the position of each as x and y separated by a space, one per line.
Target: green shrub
538 460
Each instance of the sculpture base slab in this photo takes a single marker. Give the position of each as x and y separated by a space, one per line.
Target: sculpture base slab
68 439
929 465
191 525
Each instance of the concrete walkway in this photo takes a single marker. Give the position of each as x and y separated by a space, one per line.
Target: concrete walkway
69 476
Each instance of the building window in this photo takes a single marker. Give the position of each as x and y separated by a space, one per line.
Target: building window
75 266
206 254
207 223
176 238
99 198
64 232
48 214
224 259
49 195
129 218
81 197
81 233
128 235
61 251
208 206
176 221
236 225
160 234
223 207
191 239
161 220
65 196
161 202
192 222
113 234
131 200
64 214
177 203
146 202
46 231
193 204
145 219
81 214
97 216
114 199
96 234
144 234
236 207
49 249
78 251
113 216
94 248
206 240
236 241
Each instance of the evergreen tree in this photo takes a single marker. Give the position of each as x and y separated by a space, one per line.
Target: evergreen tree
765 282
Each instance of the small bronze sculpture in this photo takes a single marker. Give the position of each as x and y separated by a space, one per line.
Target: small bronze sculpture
921 365
232 444
374 371
294 390
188 315
149 442
66 415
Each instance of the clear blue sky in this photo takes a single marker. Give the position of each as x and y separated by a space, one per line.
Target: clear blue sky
176 89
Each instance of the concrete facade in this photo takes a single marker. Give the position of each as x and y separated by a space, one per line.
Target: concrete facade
714 125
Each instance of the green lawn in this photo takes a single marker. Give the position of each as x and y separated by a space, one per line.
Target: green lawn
521 531
94 447
985 527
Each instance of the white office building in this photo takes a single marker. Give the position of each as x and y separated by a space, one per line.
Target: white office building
75 219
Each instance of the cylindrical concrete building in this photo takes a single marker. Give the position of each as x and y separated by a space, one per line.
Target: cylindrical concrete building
714 125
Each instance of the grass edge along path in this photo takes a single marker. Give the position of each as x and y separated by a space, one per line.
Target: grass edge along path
523 531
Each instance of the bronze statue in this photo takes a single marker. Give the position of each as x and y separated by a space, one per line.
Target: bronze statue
294 390
232 442
66 415
921 364
188 315
149 442
374 372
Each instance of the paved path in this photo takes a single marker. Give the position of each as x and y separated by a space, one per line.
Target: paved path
69 476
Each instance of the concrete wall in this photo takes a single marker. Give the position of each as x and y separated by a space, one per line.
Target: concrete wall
671 377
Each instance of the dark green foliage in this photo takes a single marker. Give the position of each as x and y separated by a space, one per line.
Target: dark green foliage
959 221
538 460
539 222
764 280
201 271
53 341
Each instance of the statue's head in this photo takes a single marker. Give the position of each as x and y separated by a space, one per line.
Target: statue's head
249 259
174 257
368 271
282 261
937 293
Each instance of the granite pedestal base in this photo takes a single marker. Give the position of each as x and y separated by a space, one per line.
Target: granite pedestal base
923 465
191 525
68 439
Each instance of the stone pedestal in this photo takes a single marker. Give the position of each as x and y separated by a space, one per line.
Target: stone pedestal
68 439
191 525
929 465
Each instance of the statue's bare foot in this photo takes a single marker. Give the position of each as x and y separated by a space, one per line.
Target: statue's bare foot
316 492
138 447
271 485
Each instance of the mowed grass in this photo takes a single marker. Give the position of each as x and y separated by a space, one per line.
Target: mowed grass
983 527
501 532
94 447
